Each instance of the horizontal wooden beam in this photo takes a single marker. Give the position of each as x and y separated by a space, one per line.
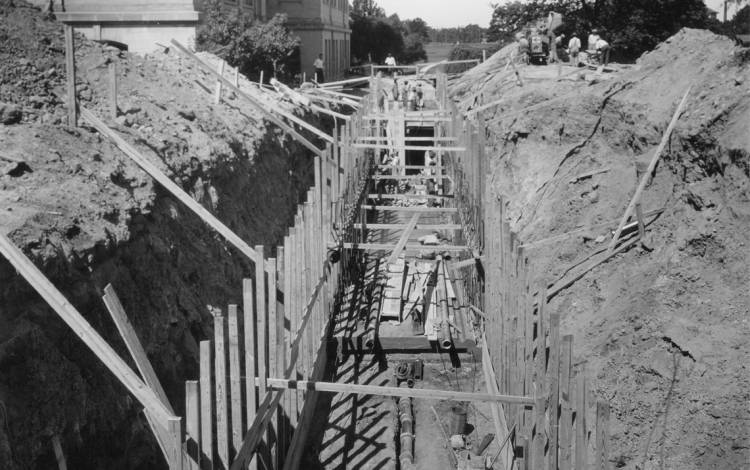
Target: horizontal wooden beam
403 226
410 177
408 147
408 196
408 139
383 391
392 246
411 208
386 166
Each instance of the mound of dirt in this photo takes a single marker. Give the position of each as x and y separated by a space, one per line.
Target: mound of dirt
663 330
88 216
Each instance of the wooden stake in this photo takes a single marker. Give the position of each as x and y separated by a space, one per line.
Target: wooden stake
192 424
566 417
554 387
70 73
206 402
250 356
261 322
174 428
647 176
222 405
580 423
217 94
235 377
113 89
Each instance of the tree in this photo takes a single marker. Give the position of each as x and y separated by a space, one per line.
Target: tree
418 27
260 47
367 8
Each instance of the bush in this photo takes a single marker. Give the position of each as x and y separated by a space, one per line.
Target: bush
252 46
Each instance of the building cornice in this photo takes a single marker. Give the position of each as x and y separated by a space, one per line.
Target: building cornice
170 16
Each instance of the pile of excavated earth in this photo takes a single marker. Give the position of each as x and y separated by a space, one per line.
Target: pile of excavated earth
662 327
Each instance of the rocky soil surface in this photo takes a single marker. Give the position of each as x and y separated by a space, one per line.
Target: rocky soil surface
88 216
664 330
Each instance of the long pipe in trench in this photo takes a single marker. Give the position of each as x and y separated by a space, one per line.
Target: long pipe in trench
406 419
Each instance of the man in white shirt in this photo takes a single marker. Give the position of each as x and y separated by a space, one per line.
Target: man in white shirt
318 66
574 47
593 37
390 61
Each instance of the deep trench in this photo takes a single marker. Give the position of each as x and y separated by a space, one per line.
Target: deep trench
170 272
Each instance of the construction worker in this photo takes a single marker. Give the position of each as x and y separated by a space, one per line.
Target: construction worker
574 47
390 61
523 49
593 37
602 50
420 96
318 66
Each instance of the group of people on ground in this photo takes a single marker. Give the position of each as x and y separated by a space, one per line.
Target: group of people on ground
408 93
596 47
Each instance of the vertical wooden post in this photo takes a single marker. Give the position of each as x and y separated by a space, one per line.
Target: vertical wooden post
217 95
566 417
206 401
541 353
602 435
222 405
581 442
261 322
113 89
554 388
237 77
192 424
260 79
250 356
174 430
272 357
235 378
70 72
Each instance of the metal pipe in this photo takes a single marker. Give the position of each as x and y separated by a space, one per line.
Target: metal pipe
406 421
444 335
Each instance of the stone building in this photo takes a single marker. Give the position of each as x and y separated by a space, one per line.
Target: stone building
322 25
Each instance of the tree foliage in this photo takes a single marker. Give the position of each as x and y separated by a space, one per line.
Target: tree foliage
252 46
630 26
471 33
374 35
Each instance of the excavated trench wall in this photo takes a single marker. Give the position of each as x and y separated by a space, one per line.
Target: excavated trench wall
170 273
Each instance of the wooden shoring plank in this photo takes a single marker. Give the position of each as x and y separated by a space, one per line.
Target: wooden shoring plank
553 375
365 139
299 299
540 438
235 377
271 400
83 329
174 430
418 227
261 322
249 324
498 413
429 210
580 419
129 336
281 350
566 416
192 424
308 242
647 175
59 454
273 431
317 243
385 391
289 319
409 196
602 435
70 75
404 238
170 186
253 101
529 353
221 391
206 403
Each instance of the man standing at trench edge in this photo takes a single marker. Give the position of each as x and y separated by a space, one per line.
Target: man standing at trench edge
318 66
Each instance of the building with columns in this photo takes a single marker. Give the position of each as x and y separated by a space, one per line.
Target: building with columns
322 25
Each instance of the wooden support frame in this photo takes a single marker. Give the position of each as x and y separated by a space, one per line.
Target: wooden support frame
70 73
144 394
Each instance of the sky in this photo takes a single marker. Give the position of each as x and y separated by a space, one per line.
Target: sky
441 13
451 13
